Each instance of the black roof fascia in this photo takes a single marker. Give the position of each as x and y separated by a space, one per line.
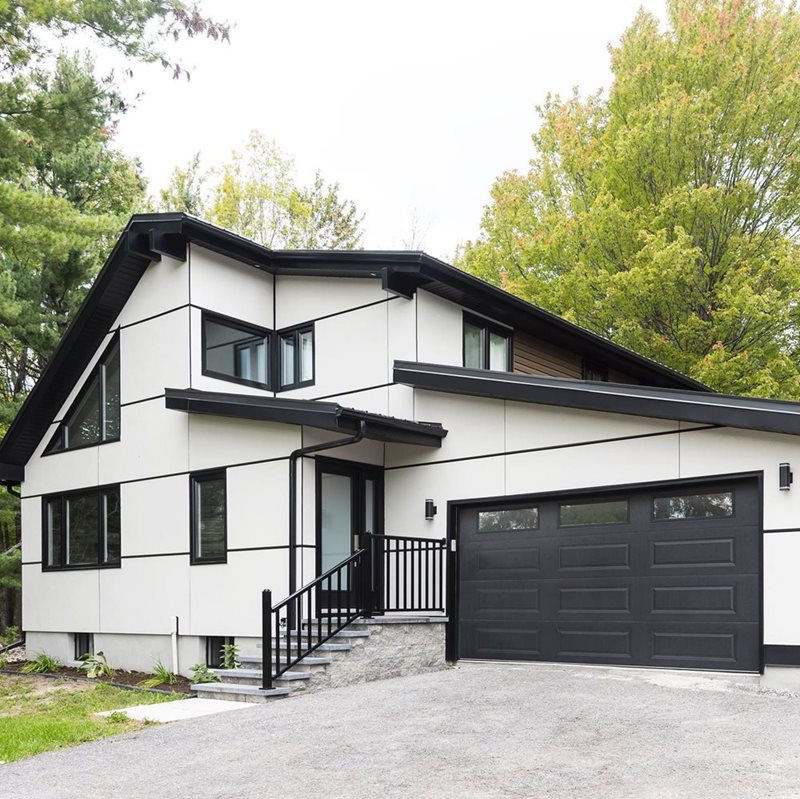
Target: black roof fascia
147 237
311 413
775 416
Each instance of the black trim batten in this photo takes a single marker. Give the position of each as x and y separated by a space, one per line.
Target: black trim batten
781 655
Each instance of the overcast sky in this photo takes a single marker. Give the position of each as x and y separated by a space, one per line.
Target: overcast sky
414 107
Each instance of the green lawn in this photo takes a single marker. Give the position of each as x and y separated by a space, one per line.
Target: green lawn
38 714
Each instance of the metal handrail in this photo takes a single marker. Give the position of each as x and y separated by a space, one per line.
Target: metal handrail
391 573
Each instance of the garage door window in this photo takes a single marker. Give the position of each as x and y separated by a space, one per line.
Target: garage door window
613 511
693 506
494 521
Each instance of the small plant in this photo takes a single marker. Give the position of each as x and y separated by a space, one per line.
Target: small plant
200 673
95 666
161 676
230 656
3 662
11 635
118 717
41 664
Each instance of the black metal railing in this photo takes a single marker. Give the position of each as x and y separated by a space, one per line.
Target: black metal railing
389 574
409 573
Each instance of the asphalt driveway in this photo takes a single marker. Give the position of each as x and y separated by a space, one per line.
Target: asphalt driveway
472 731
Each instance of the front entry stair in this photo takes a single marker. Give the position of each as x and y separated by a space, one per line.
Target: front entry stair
368 649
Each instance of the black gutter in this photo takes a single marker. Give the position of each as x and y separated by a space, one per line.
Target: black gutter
776 416
293 458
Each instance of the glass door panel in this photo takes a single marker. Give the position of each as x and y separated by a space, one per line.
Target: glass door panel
336 520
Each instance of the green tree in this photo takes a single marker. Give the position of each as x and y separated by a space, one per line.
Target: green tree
256 194
664 214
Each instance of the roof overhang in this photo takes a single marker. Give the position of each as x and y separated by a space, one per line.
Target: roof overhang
775 416
311 413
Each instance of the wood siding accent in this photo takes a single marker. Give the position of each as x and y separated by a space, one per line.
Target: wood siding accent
534 356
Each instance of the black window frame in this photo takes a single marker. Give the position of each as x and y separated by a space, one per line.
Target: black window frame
202 477
244 327
59 442
593 371
489 327
295 331
102 529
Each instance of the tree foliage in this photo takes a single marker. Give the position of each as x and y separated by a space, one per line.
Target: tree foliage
664 214
256 194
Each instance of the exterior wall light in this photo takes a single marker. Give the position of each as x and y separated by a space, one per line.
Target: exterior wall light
785 477
430 510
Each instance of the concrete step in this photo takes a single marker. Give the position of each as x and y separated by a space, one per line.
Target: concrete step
254 676
238 692
346 633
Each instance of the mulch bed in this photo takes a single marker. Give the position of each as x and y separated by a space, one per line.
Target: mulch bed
121 679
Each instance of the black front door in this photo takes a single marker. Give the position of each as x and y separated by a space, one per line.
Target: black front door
349 503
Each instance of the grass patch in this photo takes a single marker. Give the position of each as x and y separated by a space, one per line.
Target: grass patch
39 714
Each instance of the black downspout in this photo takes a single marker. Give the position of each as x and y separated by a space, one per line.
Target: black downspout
293 458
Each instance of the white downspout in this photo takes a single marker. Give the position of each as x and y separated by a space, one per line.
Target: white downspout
174 636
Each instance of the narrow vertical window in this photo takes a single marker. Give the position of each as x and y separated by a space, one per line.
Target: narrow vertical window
208 518
296 356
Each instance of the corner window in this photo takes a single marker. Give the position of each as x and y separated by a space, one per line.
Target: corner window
82 529
594 371
236 351
486 345
94 417
208 518
296 352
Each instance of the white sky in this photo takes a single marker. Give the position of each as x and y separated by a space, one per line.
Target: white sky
414 107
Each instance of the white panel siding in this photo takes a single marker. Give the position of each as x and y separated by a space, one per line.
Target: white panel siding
258 509
154 356
220 441
231 288
143 595
62 471
439 330
163 286
226 599
155 516
374 401
781 588
301 299
153 443
31 529
64 601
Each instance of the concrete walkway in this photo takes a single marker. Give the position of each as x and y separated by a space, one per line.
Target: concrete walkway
180 710
535 732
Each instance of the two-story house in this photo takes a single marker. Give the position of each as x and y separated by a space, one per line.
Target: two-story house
221 418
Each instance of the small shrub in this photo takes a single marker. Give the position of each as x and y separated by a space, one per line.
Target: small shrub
161 676
200 673
11 635
118 717
41 664
95 666
230 656
3 662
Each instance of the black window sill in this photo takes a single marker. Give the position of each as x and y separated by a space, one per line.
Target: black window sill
208 561
82 446
83 568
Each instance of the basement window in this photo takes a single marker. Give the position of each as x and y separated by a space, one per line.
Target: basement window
94 417
486 345
82 529
84 644
214 644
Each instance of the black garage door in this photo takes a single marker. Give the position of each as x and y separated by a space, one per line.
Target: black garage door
650 578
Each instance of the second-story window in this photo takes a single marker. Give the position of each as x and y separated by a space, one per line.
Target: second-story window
486 345
94 417
236 351
296 357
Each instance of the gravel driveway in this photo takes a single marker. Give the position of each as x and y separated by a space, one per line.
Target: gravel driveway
472 731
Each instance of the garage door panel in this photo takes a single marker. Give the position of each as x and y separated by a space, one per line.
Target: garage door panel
486 599
709 598
672 591
705 646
